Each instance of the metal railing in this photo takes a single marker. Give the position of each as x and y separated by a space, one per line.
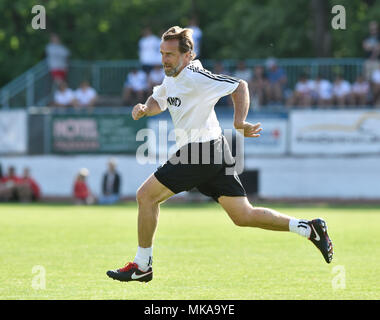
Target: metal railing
34 87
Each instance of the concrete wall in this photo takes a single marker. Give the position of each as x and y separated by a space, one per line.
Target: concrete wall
317 177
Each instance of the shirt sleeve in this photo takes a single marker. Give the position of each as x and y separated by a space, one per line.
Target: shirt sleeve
214 86
159 94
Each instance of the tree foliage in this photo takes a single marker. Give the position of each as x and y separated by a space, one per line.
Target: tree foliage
109 30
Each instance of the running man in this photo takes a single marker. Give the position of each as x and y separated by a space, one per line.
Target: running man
190 93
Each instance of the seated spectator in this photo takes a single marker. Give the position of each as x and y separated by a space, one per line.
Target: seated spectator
225 101
258 86
302 95
64 96
31 184
360 91
110 185
12 187
135 87
85 96
341 91
82 193
277 80
375 83
242 72
321 91
371 46
155 77
5 192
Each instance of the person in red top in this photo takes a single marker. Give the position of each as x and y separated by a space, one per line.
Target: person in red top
15 189
82 194
31 184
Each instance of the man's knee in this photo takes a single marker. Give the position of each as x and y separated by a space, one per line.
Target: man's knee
144 195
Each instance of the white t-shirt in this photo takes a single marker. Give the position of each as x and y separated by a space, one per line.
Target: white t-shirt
137 81
156 76
57 55
190 98
64 98
85 96
322 88
149 50
342 88
197 38
360 87
376 76
304 86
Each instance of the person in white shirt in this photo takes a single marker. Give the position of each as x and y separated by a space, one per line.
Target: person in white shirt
302 95
190 93
197 35
63 96
57 58
375 81
155 77
360 91
149 50
342 92
85 96
135 86
322 91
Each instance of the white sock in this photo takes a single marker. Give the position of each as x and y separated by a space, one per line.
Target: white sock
300 227
144 258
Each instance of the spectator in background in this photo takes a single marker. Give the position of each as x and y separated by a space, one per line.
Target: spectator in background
375 83
85 95
5 191
135 87
82 193
258 86
14 189
360 91
371 46
29 182
242 72
341 91
197 35
277 80
111 185
149 50
63 96
155 77
302 94
321 91
57 59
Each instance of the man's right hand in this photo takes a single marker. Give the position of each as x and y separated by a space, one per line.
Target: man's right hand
139 111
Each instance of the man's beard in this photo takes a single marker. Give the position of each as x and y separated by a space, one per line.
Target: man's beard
173 71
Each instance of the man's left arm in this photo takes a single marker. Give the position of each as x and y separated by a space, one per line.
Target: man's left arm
240 98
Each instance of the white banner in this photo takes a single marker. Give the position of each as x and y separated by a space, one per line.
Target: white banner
335 132
13 131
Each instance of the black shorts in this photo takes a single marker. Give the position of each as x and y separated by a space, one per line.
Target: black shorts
183 172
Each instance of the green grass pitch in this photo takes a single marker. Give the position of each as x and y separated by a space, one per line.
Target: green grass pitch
198 254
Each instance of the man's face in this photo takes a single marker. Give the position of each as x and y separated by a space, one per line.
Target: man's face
172 58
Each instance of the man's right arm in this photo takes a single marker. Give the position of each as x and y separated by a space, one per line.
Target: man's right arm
150 108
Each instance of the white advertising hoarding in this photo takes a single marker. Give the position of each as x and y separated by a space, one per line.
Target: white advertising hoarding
13 131
335 132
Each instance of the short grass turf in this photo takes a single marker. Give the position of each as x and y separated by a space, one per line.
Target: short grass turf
198 254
